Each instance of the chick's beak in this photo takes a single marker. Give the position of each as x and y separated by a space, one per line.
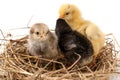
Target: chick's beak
42 36
61 16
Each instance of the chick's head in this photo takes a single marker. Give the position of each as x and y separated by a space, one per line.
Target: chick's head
39 32
69 12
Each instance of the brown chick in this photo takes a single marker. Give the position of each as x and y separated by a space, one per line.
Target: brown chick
73 16
42 42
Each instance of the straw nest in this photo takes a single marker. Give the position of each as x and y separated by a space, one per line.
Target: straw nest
17 64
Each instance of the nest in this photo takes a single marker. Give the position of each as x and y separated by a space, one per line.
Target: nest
17 64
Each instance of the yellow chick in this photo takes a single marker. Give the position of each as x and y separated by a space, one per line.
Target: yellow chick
73 16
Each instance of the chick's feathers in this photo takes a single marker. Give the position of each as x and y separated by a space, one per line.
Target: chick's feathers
42 42
73 16
71 42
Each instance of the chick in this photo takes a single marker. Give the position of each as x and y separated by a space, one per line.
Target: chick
42 42
73 16
71 42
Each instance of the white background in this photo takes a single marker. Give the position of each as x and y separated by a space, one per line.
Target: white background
16 13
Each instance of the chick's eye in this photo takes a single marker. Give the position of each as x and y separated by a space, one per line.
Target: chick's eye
37 33
67 13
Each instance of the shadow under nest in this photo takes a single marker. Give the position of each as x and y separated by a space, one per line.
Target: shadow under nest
19 65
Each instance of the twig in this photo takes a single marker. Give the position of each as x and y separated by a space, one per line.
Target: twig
109 34
74 62
19 28
24 27
2 34
114 38
18 40
4 40
29 21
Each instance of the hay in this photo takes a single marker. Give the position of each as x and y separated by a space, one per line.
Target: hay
17 64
